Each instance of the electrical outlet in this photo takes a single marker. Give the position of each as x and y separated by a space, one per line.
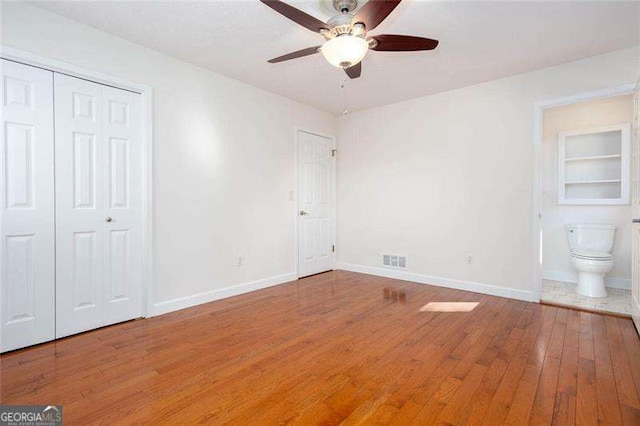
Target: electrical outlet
240 261
469 259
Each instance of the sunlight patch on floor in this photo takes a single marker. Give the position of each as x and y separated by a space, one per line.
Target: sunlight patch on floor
449 307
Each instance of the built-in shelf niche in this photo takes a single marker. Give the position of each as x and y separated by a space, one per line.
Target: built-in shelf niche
594 165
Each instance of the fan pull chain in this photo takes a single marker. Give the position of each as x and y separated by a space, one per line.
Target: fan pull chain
345 111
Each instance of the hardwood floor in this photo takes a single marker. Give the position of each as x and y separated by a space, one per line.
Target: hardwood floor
331 349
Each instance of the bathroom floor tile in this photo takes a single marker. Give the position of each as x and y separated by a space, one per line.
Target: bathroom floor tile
617 300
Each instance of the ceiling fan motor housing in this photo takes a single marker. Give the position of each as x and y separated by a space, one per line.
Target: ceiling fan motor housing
340 24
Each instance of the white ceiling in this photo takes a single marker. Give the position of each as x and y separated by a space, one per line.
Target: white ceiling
479 41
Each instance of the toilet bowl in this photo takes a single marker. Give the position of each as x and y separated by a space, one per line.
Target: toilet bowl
591 274
591 246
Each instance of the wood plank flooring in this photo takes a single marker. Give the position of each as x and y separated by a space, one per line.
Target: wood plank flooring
331 349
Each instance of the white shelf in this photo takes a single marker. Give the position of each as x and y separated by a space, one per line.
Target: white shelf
593 181
596 157
594 202
594 166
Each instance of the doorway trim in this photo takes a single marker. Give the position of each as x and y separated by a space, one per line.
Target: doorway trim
146 92
536 213
297 130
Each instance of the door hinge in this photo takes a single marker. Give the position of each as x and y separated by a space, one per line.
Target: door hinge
334 152
333 249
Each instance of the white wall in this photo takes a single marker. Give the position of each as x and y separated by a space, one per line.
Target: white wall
556 259
442 176
224 158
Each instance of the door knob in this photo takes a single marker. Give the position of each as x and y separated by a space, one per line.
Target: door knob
635 220
303 213
108 219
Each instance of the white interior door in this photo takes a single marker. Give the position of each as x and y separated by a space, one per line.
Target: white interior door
635 273
122 123
98 205
315 204
26 167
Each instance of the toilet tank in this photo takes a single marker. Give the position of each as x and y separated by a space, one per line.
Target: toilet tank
590 237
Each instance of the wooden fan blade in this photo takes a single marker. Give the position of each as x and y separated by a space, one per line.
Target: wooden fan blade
296 15
402 43
374 12
297 54
354 71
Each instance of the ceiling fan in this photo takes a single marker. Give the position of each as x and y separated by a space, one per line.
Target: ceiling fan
346 42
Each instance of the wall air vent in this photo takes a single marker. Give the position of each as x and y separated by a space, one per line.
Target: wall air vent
394 261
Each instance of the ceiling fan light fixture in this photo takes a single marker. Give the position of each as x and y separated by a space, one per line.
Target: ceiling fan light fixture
345 50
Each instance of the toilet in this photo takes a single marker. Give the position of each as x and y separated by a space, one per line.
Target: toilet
591 246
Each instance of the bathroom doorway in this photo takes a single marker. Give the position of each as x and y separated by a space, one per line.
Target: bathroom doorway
585 186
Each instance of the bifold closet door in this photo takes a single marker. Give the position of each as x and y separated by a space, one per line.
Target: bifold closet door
26 167
98 205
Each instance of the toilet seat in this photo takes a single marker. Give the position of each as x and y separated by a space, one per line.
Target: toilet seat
591 255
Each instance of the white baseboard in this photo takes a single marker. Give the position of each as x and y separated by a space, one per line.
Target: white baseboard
572 277
221 293
442 282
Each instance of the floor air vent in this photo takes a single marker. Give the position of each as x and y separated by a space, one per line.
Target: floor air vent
394 261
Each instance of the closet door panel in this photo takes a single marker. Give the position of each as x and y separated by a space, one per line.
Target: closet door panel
80 220
98 205
123 204
27 217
